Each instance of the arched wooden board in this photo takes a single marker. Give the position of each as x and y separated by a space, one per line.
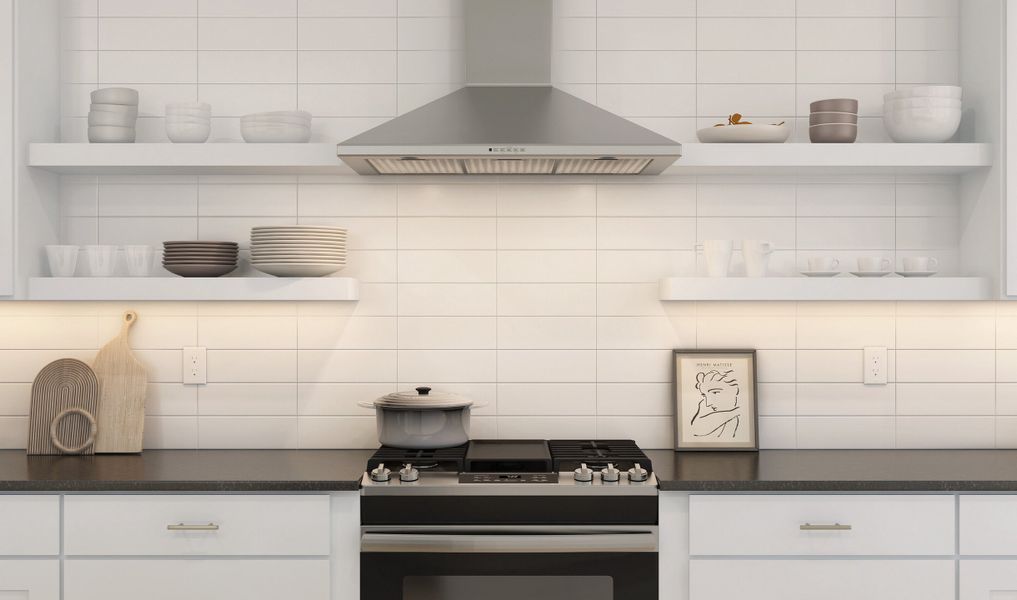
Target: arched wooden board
62 384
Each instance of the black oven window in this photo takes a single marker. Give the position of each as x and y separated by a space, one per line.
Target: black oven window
506 587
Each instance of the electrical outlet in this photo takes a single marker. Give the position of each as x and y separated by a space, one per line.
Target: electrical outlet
874 366
195 368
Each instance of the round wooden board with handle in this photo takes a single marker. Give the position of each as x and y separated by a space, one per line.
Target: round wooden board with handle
123 384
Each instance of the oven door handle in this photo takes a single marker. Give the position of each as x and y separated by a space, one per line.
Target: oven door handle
642 540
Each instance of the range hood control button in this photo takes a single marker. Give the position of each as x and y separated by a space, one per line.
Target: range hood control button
637 474
584 474
610 474
381 474
408 473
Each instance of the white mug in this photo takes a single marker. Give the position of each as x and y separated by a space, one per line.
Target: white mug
756 254
139 260
718 256
873 264
63 260
822 264
102 260
920 264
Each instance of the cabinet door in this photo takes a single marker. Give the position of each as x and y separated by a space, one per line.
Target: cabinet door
988 580
29 580
6 147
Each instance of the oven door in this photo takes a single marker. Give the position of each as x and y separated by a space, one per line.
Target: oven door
508 562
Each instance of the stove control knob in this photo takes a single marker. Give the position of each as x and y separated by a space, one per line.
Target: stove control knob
381 474
610 474
637 474
584 474
408 473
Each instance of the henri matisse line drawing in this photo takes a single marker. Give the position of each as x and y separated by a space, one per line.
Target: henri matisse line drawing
715 403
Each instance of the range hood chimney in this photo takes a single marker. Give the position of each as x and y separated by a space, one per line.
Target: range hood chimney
509 120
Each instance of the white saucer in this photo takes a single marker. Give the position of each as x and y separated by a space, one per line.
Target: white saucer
916 273
821 273
870 273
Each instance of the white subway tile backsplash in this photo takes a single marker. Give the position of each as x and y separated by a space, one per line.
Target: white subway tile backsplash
147 34
745 33
856 8
846 34
844 399
547 366
646 34
846 433
946 432
943 399
247 8
247 66
161 66
651 66
447 333
848 67
347 34
546 233
746 66
647 100
547 399
347 66
448 366
346 8
946 366
745 8
148 8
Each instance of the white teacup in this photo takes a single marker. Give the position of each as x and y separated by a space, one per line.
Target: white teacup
823 264
139 260
756 254
718 256
919 264
63 260
873 264
102 260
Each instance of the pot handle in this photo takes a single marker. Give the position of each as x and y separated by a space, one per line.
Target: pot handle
366 404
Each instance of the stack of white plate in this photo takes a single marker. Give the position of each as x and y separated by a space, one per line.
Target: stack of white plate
188 122
113 115
298 250
923 114
285 126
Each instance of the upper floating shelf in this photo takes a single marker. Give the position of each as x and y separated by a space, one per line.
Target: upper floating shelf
843 287
321 159
195 289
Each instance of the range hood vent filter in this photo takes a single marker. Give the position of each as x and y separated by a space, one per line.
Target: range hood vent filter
509 166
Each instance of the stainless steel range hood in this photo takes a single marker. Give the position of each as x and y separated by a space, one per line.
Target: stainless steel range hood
509 120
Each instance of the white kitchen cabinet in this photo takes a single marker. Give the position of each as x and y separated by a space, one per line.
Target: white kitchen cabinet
988 580
7 254
29 526
346 546
224 525
196 579
988 525
825 579
29 580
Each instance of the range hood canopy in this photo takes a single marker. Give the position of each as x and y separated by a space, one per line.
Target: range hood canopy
502 123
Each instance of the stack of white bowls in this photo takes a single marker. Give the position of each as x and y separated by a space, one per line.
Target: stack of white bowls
188 122
923 114
298 250
113 115
285 126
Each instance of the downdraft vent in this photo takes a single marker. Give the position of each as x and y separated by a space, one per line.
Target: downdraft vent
509 166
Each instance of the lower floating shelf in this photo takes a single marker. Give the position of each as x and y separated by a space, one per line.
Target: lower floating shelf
195 289
844 287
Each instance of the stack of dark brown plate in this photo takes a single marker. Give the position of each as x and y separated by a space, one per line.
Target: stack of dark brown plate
199 259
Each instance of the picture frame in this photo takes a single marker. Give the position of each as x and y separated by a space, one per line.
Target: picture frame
715 400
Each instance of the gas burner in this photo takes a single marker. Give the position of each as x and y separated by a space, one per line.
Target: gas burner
596 454
437 460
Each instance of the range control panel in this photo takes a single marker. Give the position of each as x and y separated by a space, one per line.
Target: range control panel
508 478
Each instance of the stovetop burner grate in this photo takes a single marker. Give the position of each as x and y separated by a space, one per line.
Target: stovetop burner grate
440 459
569 454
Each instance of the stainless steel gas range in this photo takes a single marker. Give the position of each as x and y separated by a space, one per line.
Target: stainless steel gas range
510 519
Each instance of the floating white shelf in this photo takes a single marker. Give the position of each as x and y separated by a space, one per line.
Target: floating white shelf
194 289
321 158
842 287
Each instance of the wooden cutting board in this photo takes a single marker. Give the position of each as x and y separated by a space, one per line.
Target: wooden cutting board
123 384
65 399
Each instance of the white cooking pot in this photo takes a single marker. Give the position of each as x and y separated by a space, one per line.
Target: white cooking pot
422 419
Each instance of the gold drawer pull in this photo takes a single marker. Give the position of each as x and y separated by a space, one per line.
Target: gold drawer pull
834 527
182 527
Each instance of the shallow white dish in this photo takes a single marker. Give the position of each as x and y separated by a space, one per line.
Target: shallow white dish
188 133
927 91
116 95
299 228
297 240
298 270
916 273
870 273
275 135
111 119
922 125
821 273
107 134
745 134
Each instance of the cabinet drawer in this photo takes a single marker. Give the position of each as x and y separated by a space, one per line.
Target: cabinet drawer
826 579
988 525
808 525
29 525
195 579
196 525
988 579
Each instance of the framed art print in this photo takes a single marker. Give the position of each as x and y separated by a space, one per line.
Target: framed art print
715 400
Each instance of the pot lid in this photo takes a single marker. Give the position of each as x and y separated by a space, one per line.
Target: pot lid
422 397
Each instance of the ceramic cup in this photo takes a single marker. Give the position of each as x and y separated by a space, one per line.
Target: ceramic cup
873 264
756 254
139 260
63 260
920 264
101 260
823 264
718 256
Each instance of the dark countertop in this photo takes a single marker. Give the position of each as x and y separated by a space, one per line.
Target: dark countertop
186 471
837 471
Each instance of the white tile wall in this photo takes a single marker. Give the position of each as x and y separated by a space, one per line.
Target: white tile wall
537 297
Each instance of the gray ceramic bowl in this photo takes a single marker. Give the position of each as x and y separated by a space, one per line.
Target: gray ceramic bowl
833 133
822 118
848 105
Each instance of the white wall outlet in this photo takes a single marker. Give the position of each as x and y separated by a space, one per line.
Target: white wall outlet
874 366
195 367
